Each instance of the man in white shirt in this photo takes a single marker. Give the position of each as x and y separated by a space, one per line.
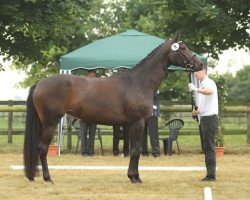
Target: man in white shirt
208 114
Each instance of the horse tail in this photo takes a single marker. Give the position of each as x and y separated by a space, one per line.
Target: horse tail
33 133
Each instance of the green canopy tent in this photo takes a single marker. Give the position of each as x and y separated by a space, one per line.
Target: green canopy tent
123 50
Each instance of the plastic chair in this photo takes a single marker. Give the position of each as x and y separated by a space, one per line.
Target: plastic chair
174 127
98 136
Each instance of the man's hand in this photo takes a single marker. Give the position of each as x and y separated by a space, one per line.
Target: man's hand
195 112
192 87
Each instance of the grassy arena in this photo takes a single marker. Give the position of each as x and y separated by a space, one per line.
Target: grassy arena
233 177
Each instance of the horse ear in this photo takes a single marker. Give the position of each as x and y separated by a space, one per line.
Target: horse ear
177 38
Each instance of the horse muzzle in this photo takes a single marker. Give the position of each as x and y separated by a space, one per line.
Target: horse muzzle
194 68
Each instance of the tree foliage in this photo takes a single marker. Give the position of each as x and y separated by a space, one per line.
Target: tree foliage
174 86
239 86
31 27
34 33
207 26
222 89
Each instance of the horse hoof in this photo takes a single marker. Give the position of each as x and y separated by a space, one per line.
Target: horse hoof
31 179
48 179
139 180
135 180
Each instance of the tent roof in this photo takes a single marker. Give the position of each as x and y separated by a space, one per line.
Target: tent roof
123 50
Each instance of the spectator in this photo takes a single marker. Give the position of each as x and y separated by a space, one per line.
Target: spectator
152 126
87 143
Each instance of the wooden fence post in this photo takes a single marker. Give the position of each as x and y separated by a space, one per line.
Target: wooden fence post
10 122
248 125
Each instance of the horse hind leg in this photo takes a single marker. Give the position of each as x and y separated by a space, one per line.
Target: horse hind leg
135 137
47 135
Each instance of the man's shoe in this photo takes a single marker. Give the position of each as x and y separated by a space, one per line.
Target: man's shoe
84 154
156 155
207 179
115 154
126 154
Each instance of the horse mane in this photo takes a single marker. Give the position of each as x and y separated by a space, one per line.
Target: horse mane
140 64
150 55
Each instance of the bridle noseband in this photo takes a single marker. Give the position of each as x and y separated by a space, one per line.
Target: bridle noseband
184 62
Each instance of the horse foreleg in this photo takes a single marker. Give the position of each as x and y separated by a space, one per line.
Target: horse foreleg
46 138
135 136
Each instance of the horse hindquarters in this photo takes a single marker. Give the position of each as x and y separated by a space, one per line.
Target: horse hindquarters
37 138
135 137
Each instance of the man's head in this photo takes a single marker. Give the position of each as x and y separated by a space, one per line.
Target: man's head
91 73
201 75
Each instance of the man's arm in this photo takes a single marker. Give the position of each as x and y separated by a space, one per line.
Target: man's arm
205 91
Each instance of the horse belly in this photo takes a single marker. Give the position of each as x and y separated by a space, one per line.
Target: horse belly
111 114
92 112
95 106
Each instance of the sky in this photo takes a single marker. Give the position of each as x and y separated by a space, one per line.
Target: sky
8 83
230 61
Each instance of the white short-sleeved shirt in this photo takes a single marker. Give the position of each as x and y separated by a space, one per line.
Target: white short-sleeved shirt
208 104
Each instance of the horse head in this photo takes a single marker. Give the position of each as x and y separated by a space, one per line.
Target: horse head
181 56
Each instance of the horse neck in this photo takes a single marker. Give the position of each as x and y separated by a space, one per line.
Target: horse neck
153 70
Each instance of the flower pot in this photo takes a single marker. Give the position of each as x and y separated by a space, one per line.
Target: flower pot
53 150
219 151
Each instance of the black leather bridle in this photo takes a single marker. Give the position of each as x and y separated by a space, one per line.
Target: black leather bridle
184 62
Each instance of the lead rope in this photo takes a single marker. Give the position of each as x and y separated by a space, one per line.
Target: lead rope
193 102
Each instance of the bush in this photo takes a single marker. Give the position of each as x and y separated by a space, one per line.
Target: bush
222 88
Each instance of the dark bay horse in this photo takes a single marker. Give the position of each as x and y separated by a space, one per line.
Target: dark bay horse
125 99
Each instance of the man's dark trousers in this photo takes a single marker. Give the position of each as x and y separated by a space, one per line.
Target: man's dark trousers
87 143
209 127
116 138
152 127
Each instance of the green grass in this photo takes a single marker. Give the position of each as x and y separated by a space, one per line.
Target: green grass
188 143
18 121
232 121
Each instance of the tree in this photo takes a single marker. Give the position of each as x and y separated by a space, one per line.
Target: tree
174 86
206 26
30 26
239 86
34 33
